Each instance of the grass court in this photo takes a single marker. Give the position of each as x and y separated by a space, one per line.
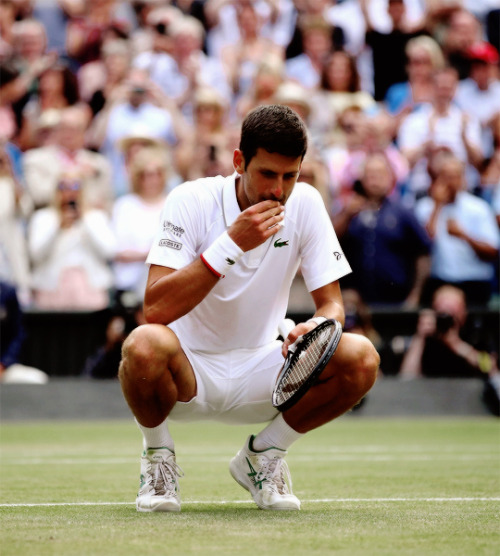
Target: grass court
368 486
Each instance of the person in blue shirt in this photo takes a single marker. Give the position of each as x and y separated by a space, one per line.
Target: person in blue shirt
387 247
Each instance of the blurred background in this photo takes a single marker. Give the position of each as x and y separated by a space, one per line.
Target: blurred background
107 106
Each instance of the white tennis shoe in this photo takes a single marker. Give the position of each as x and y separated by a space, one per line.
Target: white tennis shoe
266 476
159 489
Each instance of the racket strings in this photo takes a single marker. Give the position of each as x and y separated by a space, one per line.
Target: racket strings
305 362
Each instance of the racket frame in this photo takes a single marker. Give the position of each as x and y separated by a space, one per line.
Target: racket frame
313 376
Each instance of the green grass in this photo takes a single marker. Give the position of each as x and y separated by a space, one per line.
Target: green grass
371 487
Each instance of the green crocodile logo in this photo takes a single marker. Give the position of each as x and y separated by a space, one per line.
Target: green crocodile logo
279 243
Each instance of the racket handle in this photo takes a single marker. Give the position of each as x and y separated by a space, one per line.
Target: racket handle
285 327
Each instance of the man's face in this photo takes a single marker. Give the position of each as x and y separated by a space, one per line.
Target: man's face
268 176
445 84
396 10
72 132
377 178
452 175
482 74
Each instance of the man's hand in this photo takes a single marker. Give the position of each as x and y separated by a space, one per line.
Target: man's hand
426 325
299 330
454 229
440 192
256 224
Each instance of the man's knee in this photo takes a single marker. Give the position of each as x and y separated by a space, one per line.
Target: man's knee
360 361
369 363
145 351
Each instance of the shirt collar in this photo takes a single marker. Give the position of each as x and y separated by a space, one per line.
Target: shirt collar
229 201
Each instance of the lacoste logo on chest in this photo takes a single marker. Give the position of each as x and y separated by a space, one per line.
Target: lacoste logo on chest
279 243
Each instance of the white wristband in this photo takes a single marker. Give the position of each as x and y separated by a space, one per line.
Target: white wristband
221 255
317 320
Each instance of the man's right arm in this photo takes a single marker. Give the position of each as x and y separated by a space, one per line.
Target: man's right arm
171 294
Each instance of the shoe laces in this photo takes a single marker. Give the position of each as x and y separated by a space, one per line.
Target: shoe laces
163 475
274 475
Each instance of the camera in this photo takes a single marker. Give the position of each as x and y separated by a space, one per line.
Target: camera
444 322
212 153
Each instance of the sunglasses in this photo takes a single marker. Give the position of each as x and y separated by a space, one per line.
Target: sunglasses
68 186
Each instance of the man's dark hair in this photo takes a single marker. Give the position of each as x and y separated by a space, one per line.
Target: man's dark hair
274 128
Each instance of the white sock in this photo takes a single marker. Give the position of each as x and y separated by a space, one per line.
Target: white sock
157 437
278 434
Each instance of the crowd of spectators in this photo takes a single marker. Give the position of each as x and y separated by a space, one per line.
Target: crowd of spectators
106 106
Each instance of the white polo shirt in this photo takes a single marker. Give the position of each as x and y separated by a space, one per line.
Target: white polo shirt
244 309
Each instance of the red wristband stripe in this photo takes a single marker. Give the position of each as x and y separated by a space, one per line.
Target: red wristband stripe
212 270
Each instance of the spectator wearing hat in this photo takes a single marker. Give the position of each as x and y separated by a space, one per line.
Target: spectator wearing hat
44 166
300 99
207 149
269 74
479 94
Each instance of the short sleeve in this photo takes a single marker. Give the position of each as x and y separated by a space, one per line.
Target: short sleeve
176 240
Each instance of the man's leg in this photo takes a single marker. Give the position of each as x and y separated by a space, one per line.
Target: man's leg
350 374
260 467
155 374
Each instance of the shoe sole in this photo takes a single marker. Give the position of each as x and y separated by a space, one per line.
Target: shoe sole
234 474
165 506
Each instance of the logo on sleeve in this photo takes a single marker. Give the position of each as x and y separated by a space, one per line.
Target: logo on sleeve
279 243
229 261
170 227
169 243
337 255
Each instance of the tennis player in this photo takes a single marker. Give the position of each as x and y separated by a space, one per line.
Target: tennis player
221 268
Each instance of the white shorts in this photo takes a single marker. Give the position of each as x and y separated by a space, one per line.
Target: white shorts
234 387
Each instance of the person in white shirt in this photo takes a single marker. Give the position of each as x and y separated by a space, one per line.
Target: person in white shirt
142 206
222 264
71 246
464 233
317 43
186 68
437 125
137 106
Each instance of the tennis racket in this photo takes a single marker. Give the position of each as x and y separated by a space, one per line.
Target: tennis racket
305 360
